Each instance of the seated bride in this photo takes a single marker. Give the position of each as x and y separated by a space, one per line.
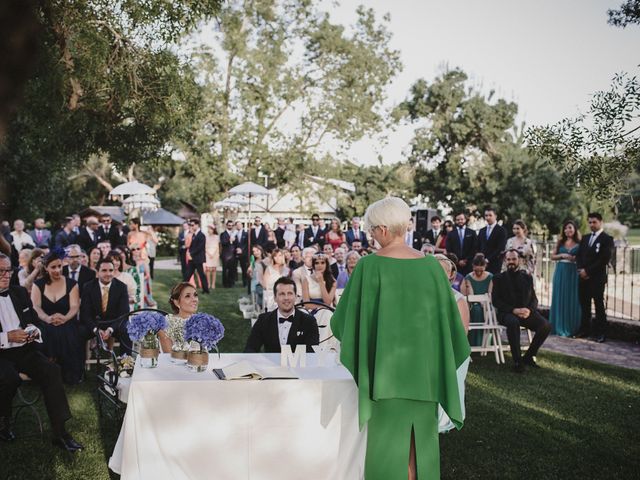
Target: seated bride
184 303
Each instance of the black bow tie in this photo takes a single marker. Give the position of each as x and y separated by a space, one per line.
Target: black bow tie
286 319
4 293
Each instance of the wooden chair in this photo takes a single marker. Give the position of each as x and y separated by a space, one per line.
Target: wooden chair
26 399
490 328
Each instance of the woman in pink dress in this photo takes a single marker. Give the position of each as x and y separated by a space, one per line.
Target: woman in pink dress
335 236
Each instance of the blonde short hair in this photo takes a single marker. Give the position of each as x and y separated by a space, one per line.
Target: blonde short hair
391 212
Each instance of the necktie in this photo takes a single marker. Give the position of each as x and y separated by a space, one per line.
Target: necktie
286 319
592 239
74 274
310 270
488 231
39 236
4 293
340 268
461 235
105 298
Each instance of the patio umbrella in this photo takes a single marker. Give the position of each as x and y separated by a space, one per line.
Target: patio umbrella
248 190
132 188
145 203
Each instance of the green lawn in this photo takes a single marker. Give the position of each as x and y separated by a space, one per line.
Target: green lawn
633 237
574 419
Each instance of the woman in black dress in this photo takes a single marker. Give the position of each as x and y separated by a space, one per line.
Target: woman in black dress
56 301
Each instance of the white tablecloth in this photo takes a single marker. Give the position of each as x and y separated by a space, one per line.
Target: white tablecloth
185 425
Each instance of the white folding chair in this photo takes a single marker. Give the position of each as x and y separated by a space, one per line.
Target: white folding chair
491 330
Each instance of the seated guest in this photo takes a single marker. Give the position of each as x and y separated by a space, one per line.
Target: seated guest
75 270
343 277
184 303
320 286
296 258
339 265
478 282
56 301
327 249
18 355
95 255
449 268
34 269
456 283
516 303
305 270
105 247
124 277
105 305
284 325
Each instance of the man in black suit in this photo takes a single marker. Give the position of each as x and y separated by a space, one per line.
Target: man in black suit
516 305
315 233
412 238
197 252
279 233
435 231
285 325
75 270
18 331
592 260
258 233
242 246
65 236
228 255
182 248
107 232
88 236
492 240
355 234
461 241
104 306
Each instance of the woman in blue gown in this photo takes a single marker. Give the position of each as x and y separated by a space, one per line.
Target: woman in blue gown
565 305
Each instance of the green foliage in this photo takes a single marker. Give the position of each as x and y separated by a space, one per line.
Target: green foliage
106 81
627 14
600 150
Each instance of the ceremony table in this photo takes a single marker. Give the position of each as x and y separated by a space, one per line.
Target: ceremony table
181 424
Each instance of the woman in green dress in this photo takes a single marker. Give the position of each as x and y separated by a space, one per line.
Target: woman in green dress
565 310
478 282
403 342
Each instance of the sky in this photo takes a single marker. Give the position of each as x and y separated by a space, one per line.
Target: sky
548 56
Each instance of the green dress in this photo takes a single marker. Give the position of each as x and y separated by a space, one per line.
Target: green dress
402 340
477 315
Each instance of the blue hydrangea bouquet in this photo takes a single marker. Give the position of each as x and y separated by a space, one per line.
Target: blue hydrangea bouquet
145 323
205 331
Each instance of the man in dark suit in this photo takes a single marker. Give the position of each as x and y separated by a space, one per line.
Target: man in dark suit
258 233
355 234
197 252
182 248
461 241
592 260
492 240
285 325
75 270
228 255
18 330
88 236
314 234
104 306
516 305
40 234
279 233
108 232
412 238
435 231
65 236
242 246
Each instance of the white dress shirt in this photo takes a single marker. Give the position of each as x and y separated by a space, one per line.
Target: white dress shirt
284 327
9 321
594 236
21 239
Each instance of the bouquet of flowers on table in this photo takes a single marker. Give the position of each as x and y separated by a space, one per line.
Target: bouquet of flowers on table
204 331
144 328
125 365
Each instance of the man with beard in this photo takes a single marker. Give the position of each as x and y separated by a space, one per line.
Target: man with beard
516 305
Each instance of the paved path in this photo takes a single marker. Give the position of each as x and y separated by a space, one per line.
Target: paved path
613 352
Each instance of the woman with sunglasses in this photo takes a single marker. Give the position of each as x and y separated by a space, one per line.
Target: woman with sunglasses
320 285
403 342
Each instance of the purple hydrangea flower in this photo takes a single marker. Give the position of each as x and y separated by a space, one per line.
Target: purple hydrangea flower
142 323
205 329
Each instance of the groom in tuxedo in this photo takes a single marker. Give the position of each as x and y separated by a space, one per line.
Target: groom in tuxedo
285 325
18 355
592 260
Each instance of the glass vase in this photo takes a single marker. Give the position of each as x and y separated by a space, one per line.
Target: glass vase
179 353
149 351
197 359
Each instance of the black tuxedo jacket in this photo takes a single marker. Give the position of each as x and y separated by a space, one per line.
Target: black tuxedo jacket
493 247
468 249
304 331
431 237
85 275
310 238
513 291
261 239
280 237
594 259
84 240
113 237
228 250
351 236
197 248
23 307
63 239
91 306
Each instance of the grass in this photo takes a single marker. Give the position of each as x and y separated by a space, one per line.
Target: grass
633 236
573 419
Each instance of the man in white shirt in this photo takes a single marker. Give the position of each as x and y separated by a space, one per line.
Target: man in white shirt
20 237
18 331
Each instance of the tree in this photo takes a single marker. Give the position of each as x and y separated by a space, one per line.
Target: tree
106 80
598 151
628 13
287 89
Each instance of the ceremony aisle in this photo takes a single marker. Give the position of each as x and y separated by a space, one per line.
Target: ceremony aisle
573 419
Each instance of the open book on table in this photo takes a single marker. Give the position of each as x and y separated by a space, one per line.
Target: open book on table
245 370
